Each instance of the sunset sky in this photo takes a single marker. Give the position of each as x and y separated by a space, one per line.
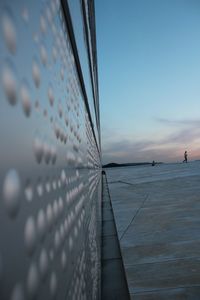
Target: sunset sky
149 79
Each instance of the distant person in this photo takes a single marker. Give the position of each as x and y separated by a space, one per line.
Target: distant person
153 163
185 157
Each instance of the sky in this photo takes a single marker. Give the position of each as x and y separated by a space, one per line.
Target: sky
149 79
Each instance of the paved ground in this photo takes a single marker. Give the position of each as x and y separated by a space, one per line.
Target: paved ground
157 213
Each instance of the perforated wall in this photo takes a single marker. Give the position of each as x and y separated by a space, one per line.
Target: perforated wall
50 165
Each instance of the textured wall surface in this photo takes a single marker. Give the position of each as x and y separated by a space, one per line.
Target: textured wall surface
50 176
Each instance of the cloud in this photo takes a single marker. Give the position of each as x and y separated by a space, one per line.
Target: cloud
183 122
185 135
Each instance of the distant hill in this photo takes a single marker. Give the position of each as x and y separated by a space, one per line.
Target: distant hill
115 165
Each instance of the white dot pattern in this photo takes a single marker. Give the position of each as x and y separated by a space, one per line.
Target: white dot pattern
50 162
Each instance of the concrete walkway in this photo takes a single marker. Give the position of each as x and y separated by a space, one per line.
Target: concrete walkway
157 214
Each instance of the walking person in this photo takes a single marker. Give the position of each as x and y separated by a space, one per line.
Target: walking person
185 157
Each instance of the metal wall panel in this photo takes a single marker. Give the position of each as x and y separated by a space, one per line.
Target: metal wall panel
50 165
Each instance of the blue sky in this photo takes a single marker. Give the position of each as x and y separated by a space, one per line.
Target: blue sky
149 79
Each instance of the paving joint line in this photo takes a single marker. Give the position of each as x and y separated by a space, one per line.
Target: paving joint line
133 218
165 289
162 261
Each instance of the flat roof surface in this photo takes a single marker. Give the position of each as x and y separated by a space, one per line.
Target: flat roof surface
157 215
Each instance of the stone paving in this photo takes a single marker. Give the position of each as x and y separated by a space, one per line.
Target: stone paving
157 214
